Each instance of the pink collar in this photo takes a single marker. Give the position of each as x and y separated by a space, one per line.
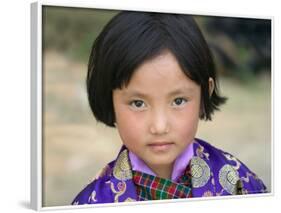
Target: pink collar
179 165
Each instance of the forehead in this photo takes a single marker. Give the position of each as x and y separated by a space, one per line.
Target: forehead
163 72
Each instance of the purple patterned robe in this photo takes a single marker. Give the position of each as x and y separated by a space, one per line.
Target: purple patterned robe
214 173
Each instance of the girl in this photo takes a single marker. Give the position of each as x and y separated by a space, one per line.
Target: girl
152 76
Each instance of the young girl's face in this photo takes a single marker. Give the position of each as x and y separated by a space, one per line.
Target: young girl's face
157 114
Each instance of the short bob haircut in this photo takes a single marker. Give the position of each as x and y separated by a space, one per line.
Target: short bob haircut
131 38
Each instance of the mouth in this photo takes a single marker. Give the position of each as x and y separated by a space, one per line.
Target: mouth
160 146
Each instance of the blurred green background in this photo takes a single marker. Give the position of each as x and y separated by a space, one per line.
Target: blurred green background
76 147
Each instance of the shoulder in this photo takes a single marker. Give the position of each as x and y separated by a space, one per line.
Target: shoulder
229 170
97 189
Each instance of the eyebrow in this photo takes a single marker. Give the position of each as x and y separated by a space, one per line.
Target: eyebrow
174 92
181 91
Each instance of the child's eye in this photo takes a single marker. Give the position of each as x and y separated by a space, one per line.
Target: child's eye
179 101
139 104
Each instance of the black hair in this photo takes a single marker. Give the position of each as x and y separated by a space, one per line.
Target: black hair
131 38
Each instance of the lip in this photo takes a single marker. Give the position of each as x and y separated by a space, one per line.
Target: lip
160 146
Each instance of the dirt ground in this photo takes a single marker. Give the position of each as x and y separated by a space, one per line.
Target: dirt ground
75 146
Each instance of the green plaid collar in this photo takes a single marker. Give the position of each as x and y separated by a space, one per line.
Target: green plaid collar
151 187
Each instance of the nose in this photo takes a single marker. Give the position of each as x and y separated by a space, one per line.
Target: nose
159 124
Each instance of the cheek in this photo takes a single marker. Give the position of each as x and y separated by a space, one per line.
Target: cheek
186 123
130 126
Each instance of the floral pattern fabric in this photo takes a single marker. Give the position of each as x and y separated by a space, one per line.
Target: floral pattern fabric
213 173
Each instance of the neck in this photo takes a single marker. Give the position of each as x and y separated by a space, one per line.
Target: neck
163 171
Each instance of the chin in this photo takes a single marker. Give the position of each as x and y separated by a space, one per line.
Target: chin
161 162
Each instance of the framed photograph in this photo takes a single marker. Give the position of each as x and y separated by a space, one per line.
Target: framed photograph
134 106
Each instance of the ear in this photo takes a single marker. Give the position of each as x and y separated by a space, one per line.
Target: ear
211 86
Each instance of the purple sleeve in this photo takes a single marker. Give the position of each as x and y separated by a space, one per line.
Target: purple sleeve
95 192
